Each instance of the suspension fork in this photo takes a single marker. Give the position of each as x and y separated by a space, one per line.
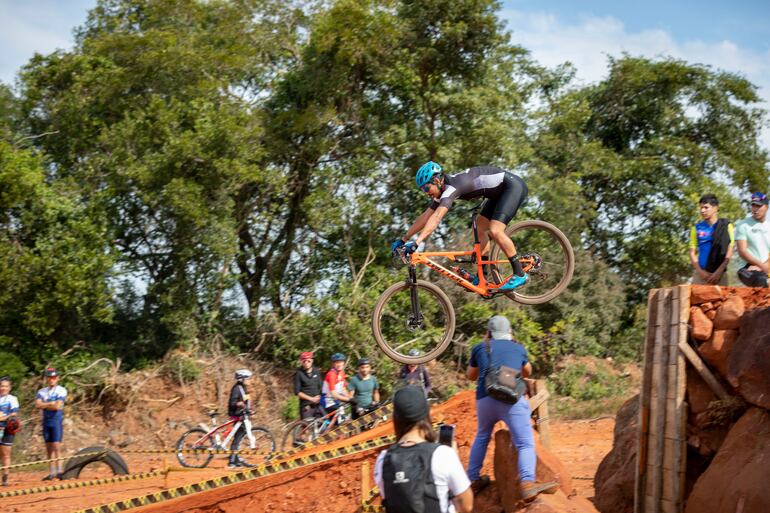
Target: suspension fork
415 301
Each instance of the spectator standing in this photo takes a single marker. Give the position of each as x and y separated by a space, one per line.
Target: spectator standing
415 374
752 237
238 407
501 349
416 471
9 407
50 400
308 386
364 388
335 388
711 244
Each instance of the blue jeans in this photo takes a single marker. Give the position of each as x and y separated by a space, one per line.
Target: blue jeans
517 417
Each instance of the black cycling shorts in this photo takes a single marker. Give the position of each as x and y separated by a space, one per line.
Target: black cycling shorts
512 197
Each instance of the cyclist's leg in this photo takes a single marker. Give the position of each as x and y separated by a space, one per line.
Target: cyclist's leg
235 442
505 209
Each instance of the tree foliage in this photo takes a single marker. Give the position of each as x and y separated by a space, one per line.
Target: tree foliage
230 172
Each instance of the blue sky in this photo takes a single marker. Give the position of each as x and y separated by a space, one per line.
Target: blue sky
734 36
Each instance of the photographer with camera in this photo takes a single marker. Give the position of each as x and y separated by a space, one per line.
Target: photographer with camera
500 364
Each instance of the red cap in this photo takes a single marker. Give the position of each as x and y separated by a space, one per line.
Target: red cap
50 372
307 355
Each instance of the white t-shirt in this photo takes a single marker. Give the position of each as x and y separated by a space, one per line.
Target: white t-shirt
448 475
757 237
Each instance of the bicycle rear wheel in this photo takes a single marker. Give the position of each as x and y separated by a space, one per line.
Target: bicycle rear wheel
397 330
545 254
264 446
194 440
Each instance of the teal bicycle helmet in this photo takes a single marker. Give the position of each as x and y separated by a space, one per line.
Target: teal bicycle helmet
426 173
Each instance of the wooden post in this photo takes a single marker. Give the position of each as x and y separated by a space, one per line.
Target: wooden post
366 483
704 371
542 415
644 404
658 404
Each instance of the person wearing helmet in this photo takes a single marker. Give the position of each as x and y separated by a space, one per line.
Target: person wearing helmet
50 400
412 374
9 407
335 388
238 406
364 388
307 387
504 191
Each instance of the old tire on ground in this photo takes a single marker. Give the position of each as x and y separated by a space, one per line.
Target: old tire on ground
107 456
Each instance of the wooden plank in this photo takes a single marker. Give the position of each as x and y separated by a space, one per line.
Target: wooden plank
670 462
640 482
543 421
657 442
680 416
366 483
704 371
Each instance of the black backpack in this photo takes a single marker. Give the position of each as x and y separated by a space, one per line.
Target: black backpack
408 480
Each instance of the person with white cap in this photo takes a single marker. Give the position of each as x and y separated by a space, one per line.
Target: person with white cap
499 348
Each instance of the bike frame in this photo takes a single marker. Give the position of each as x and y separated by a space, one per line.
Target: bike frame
236 424
484 288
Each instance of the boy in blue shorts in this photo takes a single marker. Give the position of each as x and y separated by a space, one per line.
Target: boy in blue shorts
9 407
51 399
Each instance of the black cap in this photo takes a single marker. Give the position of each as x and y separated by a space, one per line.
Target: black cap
363 361
409 404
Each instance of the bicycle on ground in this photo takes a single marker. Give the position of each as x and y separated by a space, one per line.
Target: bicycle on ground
306 430
417 314
206 440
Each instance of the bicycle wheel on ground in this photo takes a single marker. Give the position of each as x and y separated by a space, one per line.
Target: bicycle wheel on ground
299 433
263 449
545 253
194 440
398 330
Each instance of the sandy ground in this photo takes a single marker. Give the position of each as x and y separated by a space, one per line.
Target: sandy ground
331 486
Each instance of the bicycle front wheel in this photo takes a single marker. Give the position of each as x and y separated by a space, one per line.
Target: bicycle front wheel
264 446
413 316
194 440
545 254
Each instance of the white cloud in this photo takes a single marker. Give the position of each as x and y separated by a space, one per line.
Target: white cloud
588 43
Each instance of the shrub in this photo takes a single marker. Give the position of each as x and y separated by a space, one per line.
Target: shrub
290 409
587 382
182 369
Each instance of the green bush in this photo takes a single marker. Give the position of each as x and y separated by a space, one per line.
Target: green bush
584 382
182 369
290 410
12 366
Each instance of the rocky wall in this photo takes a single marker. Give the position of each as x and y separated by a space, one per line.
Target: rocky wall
728 441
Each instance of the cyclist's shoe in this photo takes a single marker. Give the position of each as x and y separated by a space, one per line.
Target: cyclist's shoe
234 465
49 477
475 279
514 282
531 489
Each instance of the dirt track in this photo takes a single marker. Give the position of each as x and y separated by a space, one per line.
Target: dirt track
331 486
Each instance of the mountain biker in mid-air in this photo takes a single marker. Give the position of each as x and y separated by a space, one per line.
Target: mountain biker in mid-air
504 191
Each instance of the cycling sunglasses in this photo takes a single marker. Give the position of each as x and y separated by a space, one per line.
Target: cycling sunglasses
426 188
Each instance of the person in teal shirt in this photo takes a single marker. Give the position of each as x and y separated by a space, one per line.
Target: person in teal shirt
752 236
364 388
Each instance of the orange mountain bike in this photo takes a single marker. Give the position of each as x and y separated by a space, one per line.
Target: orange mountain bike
417 315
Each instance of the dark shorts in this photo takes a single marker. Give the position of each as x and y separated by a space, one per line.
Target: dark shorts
752 278
53 433
6 439
513 196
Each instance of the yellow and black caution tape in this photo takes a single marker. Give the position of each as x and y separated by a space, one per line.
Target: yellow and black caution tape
63 458
83 484
366 504
244 475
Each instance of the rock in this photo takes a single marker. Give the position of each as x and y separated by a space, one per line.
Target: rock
614 479
699 395
729 314
701 325
748 367
711 314
707 306
705 293
717 349
737 478
559 503
549 468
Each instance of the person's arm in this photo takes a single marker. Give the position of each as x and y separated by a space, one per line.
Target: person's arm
526 370
717 274
418 224
431 224
376 393
426 379
464 502
743 251
472 372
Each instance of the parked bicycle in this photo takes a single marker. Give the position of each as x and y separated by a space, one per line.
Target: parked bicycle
226 436
303 431
417 314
